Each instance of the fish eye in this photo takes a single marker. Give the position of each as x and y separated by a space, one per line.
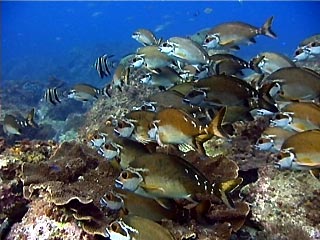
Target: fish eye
121 124
260 141
115 226
108 196
134 59
313 44
279 156
298 52
207 40
125 175
165 44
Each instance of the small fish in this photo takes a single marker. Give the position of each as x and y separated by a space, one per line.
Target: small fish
174 126
165 78
53 96
131 203
307 52
133 227
15 125
136 126
221 90
289 80
272 139
269 62
160 175
85 92
228 64
124 151
104 65
150 58
185 50
145 37
305 116
301 152
231 34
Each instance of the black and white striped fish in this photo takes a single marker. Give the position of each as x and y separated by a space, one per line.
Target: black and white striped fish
14 125
52 95
104 65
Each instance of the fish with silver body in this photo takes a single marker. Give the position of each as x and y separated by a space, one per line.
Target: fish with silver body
185 50
269 62
145 37
307 52
86 92
165 78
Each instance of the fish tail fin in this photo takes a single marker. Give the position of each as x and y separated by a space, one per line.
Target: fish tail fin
215 127
266 28
30 119
223 190
265 100
254 64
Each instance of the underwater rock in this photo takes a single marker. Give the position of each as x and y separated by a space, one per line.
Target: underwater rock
280 203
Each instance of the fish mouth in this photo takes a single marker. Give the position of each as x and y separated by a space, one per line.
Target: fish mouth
118 184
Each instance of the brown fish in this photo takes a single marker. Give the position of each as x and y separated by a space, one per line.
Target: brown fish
160 175
301 151
232 34
174 126
295 83
134 227
269 62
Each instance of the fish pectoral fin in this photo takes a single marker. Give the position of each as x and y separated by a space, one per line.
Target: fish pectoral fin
152 70
186 147
299 127
227 42
164 203
151 188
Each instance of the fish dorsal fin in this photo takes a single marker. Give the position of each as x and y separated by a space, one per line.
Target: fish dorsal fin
214 127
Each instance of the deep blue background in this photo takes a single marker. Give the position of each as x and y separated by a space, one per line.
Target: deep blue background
40 39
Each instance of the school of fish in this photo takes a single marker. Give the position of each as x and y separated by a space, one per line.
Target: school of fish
201 89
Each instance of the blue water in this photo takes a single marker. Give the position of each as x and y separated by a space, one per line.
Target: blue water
41 39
